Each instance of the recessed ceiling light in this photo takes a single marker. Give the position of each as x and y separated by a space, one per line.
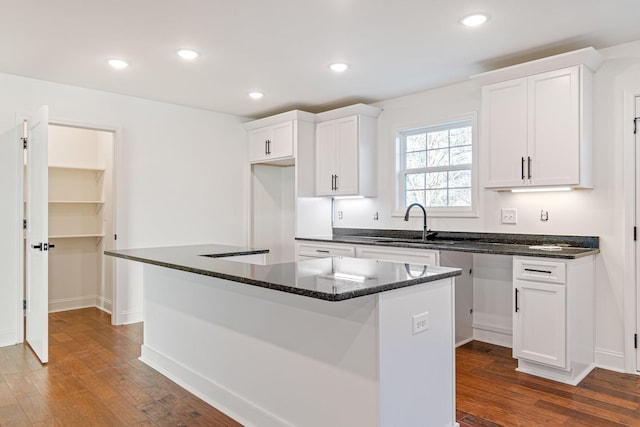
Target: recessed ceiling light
338 67
256 95
188 54
118 64
474 20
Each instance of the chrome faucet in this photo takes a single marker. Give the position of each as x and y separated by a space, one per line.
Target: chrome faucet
425 234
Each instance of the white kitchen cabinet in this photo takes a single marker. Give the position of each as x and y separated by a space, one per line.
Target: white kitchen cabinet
307 250
275 142
553 317
346 152
282 184
536 130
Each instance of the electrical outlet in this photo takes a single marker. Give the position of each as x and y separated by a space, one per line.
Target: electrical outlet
420 322
509 215
339 214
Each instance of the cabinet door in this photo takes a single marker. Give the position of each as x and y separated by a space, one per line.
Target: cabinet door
258 144
554 127
271 142
504 131
539 323
281 142
347 158
409 256
325 157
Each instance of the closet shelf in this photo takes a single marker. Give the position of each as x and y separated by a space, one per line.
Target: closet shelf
74 236
79 202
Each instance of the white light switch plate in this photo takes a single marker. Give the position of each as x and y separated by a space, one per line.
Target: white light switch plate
509 215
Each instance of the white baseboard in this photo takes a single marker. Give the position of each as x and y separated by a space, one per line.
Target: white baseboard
211 392
65 304
129 317
104 304
492 335
611 360
7 337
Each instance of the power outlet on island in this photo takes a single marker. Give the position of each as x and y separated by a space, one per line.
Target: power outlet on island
420 322
509 215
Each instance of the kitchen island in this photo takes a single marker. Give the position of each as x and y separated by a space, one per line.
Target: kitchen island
325 342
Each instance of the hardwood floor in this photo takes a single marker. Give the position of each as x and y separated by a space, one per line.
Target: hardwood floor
94 378
489 392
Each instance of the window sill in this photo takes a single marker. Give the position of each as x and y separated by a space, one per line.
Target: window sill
437 214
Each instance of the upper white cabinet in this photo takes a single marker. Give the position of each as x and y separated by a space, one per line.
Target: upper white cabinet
276 139
536 129
346 151
271 142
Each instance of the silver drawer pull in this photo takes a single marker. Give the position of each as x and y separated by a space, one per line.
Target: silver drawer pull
322 251
537 271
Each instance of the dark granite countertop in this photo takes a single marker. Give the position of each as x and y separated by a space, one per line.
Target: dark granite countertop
564 247
331 279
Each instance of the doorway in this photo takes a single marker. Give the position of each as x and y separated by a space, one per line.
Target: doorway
78 218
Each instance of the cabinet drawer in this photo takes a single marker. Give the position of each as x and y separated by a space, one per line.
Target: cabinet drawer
323 250
426 257
539 271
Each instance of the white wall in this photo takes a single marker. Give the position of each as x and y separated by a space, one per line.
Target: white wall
597 212
178 180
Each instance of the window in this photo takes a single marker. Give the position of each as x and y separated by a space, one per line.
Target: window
436 168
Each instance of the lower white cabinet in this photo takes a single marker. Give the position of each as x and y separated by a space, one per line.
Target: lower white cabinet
308 250
553 319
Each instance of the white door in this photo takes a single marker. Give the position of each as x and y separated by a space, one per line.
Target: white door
37 261
637 223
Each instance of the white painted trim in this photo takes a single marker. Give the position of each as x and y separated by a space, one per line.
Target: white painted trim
129 317
492 335
587 56
571 377
75 303
611 360
104 304
463 342
629 288
210 391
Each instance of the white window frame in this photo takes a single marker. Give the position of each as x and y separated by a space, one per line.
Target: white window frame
442 212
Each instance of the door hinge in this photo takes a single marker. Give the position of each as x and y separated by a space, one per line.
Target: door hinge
635 340
24 224
635 125
25 134
635 233
115 237
24 304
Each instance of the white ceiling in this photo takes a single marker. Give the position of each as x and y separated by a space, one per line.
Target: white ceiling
284 47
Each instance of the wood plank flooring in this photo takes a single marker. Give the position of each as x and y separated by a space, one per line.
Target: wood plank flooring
489 393
94 378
